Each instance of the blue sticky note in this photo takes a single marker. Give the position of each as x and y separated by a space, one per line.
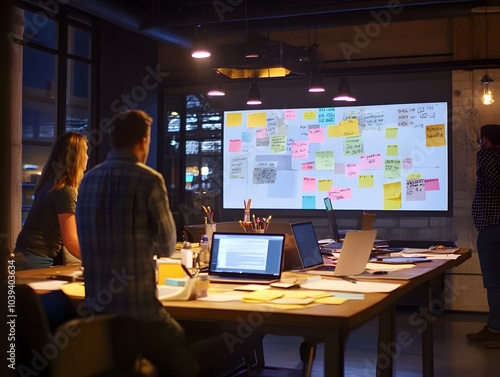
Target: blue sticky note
246 137
308 202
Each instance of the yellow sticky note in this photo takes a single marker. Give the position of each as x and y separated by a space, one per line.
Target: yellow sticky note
255 120
74 289
334 131
324 160
234 119
392 150
278 143
391 132
434 135
324 184
392 195
414 176
262 295
366 180
310 115
330 300
349 127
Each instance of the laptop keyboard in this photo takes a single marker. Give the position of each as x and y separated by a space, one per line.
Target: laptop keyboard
325 268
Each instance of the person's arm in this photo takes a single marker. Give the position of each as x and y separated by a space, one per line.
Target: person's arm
163 224
67 224
488 169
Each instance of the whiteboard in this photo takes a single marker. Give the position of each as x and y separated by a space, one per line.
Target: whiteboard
385 157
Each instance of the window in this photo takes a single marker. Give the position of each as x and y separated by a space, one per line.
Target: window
193 161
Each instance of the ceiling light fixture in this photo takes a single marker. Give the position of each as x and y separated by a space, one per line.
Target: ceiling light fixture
316 83
215 87
201 48
344 92
487 97
254 97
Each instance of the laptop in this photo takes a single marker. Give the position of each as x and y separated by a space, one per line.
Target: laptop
246 258
337 240
354 254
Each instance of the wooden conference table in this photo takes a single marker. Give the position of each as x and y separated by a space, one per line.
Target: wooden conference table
330 324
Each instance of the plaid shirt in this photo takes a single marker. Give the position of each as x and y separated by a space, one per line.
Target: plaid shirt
486 205
123 219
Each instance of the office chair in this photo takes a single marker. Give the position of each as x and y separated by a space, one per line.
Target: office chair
57 343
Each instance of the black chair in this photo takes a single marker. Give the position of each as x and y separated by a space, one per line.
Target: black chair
56 342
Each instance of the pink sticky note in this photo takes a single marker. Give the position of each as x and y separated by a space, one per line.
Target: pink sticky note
340 193
351 170
300 149
235 145
290 114
261 133
309 184
316 135
431 184
308 165
408 163
371 161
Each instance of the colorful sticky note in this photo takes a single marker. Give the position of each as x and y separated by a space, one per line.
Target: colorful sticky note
349 127
391 132
324 184
340 193
234 119
371 161
310 115
351 170
300 149
431 184
392 168
415 190
316 135
260 133
308 202
392 150
366 181
309 184
408 163
278 143
255 120
334 131
324 160
289 114
414 176
246 137
326 115
235 145
306 166
392 195
434 135
353 146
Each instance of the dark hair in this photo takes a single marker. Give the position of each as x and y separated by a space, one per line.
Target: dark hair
491 132
66 162
128 128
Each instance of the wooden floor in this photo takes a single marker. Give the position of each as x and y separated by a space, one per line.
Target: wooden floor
453 355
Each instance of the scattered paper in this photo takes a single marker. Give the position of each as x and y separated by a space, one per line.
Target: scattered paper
346 286
49 285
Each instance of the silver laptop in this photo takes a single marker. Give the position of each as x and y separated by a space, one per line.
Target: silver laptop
246 258
354 254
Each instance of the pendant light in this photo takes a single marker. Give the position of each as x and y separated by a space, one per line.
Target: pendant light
487 96
201 49
215 87
316 83
344 92
254 97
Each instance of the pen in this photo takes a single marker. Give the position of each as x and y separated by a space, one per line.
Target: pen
186 271
349 279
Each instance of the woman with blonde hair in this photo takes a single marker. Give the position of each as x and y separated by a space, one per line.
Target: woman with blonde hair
50 225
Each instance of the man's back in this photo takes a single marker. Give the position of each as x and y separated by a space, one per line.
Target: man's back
123 219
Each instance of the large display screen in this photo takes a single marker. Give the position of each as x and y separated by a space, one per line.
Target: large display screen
385 157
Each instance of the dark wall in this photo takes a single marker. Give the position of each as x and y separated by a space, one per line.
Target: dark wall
128 78
368 90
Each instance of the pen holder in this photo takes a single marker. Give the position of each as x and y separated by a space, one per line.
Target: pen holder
209 230
246 217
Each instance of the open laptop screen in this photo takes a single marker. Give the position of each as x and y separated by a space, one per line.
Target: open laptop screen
307 244
247 254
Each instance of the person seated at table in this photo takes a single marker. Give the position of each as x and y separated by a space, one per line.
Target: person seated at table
124 219
50 227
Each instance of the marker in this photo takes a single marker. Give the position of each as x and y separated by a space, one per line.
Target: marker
186 271
349 279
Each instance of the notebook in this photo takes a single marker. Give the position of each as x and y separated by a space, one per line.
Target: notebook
247 258
354 254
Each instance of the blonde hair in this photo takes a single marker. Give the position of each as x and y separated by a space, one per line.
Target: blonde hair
65 163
